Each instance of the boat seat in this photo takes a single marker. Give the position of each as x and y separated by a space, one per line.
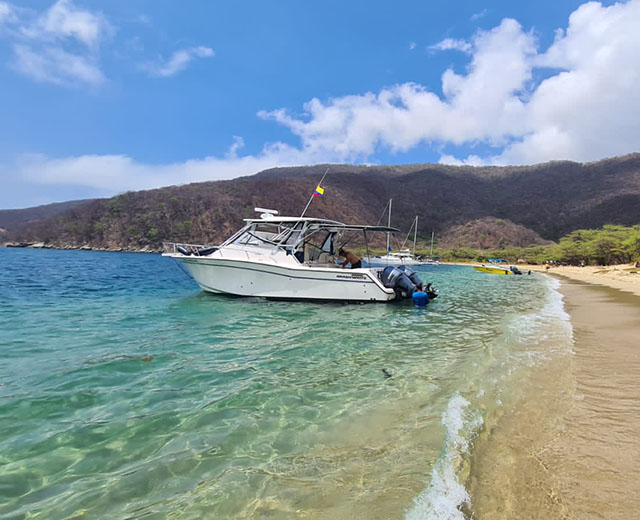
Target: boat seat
325 258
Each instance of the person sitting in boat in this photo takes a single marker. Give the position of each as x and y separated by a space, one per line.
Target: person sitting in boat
349 258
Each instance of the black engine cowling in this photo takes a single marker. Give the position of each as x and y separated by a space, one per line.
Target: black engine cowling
404 281
396 279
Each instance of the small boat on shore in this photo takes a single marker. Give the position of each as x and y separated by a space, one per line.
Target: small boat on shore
497 266
292 258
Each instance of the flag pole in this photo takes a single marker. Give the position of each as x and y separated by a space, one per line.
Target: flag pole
311 198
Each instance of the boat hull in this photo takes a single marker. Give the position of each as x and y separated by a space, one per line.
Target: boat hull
492 270
245 278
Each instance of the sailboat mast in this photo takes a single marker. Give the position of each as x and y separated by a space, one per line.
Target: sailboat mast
431 252
389 225
415 236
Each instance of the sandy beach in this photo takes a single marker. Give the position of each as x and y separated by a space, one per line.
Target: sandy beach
623 277
572 450
596 459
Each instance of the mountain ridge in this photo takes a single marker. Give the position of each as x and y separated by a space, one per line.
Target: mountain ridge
548 199
12 218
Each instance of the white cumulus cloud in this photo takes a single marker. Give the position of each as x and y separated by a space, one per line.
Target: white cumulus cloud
178 61
477 16
115 173
451 44
6 13
590 108
586 108
483 104
63 20
54 65
577 99
59 45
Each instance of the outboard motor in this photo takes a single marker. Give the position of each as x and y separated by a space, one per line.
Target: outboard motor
413 276
515 270
394 278
390 275
431 291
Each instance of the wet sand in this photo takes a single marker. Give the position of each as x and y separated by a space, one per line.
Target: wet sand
570 447
597 459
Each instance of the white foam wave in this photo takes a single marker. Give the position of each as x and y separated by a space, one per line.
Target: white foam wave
546 330
446 495
550 324
555 301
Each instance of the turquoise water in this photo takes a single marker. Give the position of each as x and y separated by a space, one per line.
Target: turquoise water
125 392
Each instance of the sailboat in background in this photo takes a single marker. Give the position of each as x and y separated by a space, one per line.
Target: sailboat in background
433 259
404 256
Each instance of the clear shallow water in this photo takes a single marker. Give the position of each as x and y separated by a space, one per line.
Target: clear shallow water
125 392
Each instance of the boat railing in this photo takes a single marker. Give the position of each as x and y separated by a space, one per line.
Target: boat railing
172 247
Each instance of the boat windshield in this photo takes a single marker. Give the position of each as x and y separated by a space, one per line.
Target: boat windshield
268 233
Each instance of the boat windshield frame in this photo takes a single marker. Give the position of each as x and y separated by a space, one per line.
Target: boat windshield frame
291 233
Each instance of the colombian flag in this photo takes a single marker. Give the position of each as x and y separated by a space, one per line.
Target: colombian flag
319 192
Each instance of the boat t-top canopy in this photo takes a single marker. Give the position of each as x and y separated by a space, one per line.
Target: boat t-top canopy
272 219
354 227
296 233
320 223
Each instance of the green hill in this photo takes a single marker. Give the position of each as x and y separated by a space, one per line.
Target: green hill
510 205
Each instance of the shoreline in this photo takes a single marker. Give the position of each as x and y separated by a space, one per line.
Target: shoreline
11 245
595 458
623 277
569 450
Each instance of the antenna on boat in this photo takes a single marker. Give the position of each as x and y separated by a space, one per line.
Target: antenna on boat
314 194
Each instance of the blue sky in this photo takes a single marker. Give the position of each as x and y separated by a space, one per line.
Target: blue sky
97 98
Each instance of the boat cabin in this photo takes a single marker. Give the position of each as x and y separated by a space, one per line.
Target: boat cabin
309 240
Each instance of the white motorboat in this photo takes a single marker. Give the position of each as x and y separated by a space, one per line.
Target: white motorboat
402 257
290 258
